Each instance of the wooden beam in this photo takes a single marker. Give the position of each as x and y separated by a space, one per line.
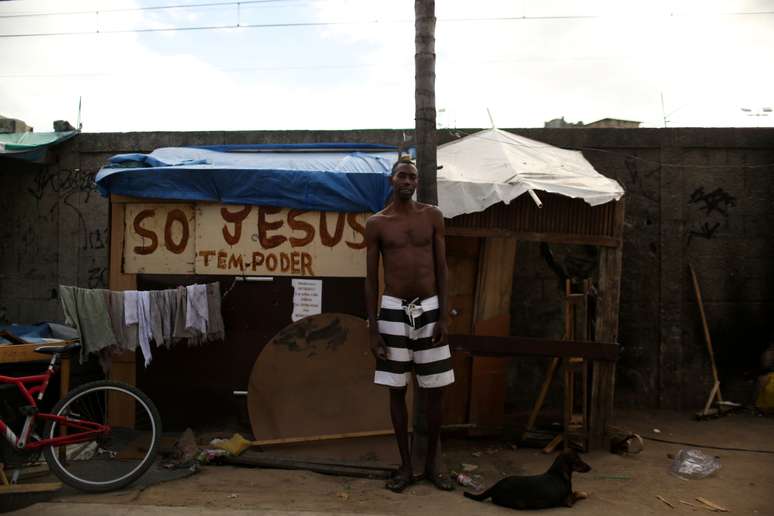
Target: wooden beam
125 199
64 377
123 367
37 487
21 353
559 238
603 374
261 460
492 346
326 437
117 280
543 392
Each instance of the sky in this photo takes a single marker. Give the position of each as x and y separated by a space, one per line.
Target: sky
148 65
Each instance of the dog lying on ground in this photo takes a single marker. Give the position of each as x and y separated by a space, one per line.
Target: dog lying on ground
551 489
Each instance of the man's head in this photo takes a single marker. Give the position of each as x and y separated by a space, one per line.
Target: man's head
404 178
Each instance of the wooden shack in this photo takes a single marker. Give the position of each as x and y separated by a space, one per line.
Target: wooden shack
163 243
481 251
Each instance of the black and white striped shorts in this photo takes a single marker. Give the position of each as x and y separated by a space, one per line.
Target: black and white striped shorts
407 330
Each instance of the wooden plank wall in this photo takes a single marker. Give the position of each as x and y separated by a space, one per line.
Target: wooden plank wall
462 255
492 316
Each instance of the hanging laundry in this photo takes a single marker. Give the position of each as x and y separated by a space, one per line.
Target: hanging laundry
126 336
155 314
144 324
87 311
137 316
169 308
215 328
179 333
110 321
130 307
197 313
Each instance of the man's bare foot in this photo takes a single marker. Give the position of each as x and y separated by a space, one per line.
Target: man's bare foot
440 480
400 480
580 495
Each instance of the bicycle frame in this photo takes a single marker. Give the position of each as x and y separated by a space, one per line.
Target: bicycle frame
88 430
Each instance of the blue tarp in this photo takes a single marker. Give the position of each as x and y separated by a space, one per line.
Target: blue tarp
326 177
32 333
38 333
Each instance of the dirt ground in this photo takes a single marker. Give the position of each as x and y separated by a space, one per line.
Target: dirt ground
618 485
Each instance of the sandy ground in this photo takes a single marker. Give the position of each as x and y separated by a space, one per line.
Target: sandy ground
618 485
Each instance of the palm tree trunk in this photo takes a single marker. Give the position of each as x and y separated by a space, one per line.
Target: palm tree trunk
424 62
427 192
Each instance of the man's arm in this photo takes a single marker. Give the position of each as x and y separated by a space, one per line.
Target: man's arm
372 287
441 274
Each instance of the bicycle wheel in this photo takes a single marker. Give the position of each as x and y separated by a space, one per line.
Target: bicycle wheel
109 461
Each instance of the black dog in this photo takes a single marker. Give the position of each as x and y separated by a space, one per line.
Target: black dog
551 489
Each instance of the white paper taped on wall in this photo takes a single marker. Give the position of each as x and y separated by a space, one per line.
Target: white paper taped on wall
307 298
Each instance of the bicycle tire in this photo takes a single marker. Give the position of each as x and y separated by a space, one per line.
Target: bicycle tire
66 470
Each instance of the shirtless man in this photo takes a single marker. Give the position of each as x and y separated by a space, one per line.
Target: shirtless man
412 324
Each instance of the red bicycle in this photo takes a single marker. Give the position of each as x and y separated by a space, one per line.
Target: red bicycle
101 436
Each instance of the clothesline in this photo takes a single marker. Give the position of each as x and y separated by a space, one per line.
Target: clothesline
112 320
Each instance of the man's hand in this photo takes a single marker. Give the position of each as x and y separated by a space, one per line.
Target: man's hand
378 347
440 332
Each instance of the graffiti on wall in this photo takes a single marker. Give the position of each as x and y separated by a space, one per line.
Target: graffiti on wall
637 175
713 206
68 193
95 239
67 185
63 182
97 275
716 201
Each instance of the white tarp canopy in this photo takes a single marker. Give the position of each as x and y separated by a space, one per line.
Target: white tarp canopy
493 166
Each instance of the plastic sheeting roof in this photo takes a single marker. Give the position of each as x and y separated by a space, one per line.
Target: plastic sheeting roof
478 171
31 146
326 177
493 166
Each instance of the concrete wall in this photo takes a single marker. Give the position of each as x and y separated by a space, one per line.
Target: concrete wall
13 125
699 196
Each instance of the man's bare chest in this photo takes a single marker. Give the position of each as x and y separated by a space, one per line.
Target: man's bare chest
407 235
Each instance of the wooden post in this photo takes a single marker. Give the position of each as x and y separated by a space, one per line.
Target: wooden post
64 377
603 375
124 367
492 315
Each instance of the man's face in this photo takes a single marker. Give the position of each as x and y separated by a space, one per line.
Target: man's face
404 181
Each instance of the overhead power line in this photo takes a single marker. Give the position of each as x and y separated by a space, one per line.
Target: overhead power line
147 8
329 23
240 3
193 28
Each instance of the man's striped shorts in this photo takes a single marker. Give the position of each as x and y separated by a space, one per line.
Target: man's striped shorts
407 329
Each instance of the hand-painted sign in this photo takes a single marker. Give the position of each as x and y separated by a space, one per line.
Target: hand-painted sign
159 238
249 240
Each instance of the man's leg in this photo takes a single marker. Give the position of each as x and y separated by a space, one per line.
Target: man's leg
399 415
434 397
